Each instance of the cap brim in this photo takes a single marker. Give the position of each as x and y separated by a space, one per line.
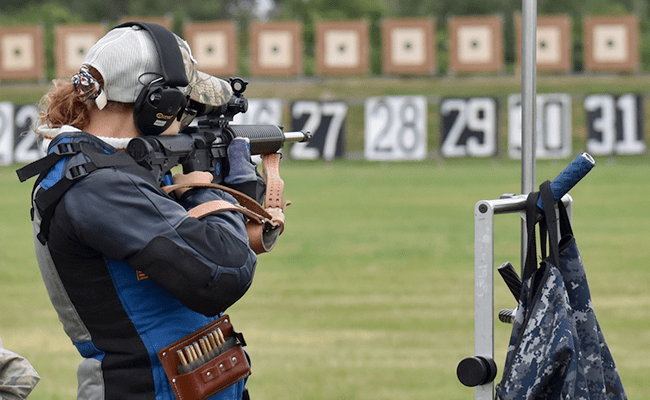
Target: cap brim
208 89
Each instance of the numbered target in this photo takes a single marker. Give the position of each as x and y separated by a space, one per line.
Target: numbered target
261 112
395 128
326 121
553 125
614 124
6 133
17 139
469 127
26 147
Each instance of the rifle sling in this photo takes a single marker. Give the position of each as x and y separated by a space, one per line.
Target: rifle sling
265 224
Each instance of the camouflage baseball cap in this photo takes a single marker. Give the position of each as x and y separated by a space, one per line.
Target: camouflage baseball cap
127 59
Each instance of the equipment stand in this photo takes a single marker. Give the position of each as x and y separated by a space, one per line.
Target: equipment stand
484 213
480 370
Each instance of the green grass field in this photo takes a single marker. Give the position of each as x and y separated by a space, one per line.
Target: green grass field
369 292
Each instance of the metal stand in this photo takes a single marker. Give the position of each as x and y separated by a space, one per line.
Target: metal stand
528 103
479 371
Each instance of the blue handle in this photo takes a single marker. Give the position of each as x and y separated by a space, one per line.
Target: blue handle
571 175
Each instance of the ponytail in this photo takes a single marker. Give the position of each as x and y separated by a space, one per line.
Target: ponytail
63 104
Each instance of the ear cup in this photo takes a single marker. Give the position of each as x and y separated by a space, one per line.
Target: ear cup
160 102
156 108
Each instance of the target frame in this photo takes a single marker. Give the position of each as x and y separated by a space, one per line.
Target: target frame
597 57
333 36
420 32
30 38
67 59
465 57
223 36
556 30
285 35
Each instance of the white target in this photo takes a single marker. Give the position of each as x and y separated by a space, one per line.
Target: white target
476 44
213 46
18 52
276 48
549 45
611 43
211 49
408 46
342 47
71 45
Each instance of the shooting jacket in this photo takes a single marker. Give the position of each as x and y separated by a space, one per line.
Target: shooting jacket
129 272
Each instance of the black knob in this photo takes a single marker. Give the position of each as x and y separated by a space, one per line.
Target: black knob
477 370
507 316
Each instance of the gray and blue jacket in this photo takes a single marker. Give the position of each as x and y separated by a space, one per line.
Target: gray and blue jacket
127 270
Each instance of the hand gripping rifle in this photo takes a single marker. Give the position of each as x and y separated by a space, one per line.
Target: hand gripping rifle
204 148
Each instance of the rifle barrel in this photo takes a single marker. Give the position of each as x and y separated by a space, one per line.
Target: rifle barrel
297 136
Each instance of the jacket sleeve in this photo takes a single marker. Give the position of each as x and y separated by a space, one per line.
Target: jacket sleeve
207 264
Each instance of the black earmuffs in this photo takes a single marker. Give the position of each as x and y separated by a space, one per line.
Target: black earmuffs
160 102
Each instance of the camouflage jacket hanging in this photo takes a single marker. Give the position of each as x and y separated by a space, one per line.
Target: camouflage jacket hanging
557 349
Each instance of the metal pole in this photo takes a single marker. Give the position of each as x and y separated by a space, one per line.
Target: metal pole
528 104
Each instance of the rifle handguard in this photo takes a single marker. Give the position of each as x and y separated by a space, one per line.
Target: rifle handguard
265 224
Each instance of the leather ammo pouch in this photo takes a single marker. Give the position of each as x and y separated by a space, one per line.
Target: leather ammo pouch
206 361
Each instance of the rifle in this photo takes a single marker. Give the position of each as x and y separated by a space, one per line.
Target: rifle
203 147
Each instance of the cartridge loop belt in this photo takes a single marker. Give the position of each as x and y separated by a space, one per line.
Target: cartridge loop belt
206 361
